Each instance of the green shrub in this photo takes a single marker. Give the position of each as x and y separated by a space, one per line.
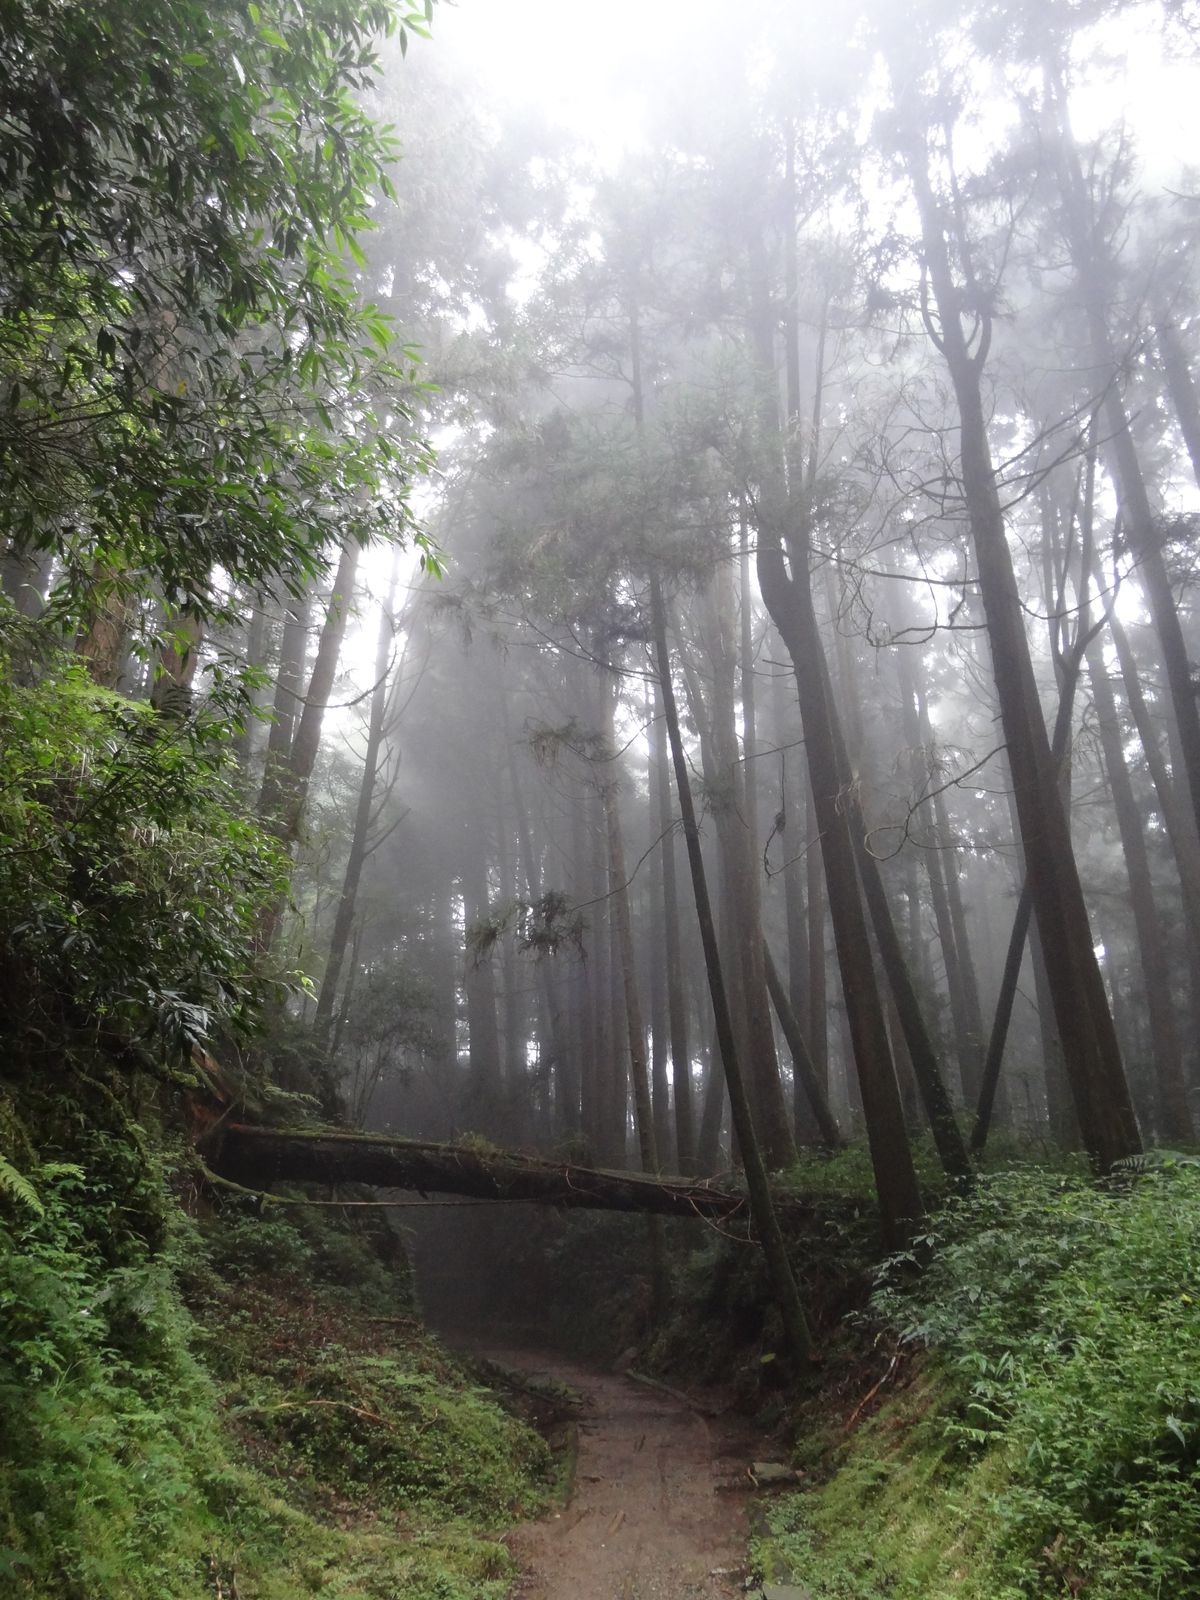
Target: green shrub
130 875
1051 1444
1070 1316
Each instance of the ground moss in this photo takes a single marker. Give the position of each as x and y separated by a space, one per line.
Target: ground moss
171 1430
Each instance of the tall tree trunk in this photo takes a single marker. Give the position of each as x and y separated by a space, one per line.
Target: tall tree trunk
967 1030
479 977
618 888
796 1328
681 1065
1095 271
1091 1053
1172 1115
247 740
807 1082
343 919
1181 386
289 687
789 600
285 787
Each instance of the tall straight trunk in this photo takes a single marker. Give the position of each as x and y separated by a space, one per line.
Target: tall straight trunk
681 1065
738 837
289 687
815 901
789 599
790 824
967 1029
713 1101
1095 271
609 1142
618 888
584 1012
617 1102
910 1017
285 786
479 977
248 737
776 1130
1090 1050
519 1093
291 786
1172 1115
562 1062
807 1082
1177 818
344 916
796 1328
1181 386
967 977
653 965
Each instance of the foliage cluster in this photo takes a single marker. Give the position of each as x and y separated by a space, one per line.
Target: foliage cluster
156 1410
1054 1442
130 874
366 1419
190 390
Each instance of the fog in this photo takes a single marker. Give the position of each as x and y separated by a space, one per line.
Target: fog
846 358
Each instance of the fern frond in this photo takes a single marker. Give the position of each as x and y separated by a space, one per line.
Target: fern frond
16 1186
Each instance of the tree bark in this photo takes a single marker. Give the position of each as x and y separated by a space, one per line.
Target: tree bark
259 1157
1090 1050
796 1327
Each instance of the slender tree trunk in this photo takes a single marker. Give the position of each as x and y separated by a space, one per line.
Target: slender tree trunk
289 686
247 740
796 1328
344 916
1091 1053
681 1065
1172 1115
1181 387
807 1081
789 599
618 888
285 788
1095 271
479 977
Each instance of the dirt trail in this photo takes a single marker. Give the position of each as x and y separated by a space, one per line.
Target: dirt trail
646 1520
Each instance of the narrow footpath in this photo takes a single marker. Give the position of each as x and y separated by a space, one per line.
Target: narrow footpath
656 1512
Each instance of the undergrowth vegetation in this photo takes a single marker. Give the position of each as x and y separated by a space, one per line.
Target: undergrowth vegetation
182 1412
1049 1442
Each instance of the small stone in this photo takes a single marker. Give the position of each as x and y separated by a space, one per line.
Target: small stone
770 1473
786 1591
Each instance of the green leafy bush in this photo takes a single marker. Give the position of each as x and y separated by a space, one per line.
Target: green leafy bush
1070 1315
1050 1442
130 876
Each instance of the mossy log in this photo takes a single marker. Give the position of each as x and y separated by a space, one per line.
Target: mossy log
259 1157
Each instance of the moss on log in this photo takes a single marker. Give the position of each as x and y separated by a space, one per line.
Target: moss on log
258 1157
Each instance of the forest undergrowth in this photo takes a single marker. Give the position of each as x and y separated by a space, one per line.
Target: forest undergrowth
231 1404
1027 1418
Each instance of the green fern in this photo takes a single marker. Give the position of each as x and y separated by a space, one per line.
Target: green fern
16 1186
1155 1160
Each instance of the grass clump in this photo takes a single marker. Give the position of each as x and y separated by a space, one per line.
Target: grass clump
1051 1444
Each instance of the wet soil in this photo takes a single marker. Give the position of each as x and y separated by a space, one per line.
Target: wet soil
655 1511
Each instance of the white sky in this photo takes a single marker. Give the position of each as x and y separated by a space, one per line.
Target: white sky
583 65
591 69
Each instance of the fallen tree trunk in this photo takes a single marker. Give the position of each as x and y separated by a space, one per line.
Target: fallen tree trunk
258 1157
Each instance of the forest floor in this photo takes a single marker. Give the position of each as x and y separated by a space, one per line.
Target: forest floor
656 1509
